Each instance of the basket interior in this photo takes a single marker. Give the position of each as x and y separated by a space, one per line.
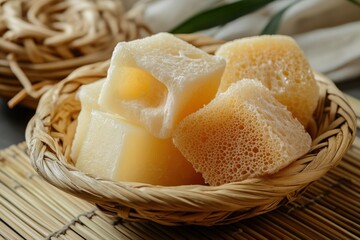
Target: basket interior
49 138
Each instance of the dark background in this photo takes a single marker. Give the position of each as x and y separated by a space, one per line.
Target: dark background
13 121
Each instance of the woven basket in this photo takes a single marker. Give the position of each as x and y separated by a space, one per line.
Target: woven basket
50 132
41 42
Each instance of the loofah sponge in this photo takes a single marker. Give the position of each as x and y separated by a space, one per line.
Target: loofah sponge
278 62
244 132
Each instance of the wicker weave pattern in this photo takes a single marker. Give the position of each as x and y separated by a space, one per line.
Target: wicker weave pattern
49 137
43 41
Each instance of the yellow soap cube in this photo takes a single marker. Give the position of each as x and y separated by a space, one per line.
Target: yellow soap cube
88 96
116 149
157 81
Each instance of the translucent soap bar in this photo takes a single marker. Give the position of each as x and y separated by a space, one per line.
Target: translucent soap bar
158 80
116 149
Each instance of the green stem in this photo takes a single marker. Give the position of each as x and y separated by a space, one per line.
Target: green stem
220 15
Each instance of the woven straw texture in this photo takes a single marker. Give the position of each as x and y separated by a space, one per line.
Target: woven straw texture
43 41
33 209
50 132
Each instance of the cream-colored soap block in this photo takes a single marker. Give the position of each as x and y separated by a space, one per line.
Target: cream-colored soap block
119 150
279 63
88 96
244 132
158 80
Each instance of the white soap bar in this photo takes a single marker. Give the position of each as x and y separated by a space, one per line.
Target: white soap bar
158 80
88 96
116 149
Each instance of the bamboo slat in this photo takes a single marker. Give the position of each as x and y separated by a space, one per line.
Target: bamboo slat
30 208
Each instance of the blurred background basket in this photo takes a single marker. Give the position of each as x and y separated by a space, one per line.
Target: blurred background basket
50 132
41 42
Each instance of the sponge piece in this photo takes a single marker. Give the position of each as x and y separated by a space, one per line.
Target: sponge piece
157 81
244 132
278 62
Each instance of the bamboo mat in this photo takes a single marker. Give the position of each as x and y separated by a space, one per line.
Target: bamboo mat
30 208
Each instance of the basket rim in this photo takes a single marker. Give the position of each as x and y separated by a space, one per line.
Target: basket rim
263 186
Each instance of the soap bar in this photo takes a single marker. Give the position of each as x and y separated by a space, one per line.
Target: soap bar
157 81
119 150
279 63
88 95
244 132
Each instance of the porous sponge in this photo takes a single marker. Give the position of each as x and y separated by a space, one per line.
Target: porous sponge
279 63
244 132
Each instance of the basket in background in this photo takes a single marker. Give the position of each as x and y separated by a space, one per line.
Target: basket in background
41 42
50 133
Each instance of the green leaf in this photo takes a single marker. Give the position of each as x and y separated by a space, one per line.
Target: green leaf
219 16
274 23
356 2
